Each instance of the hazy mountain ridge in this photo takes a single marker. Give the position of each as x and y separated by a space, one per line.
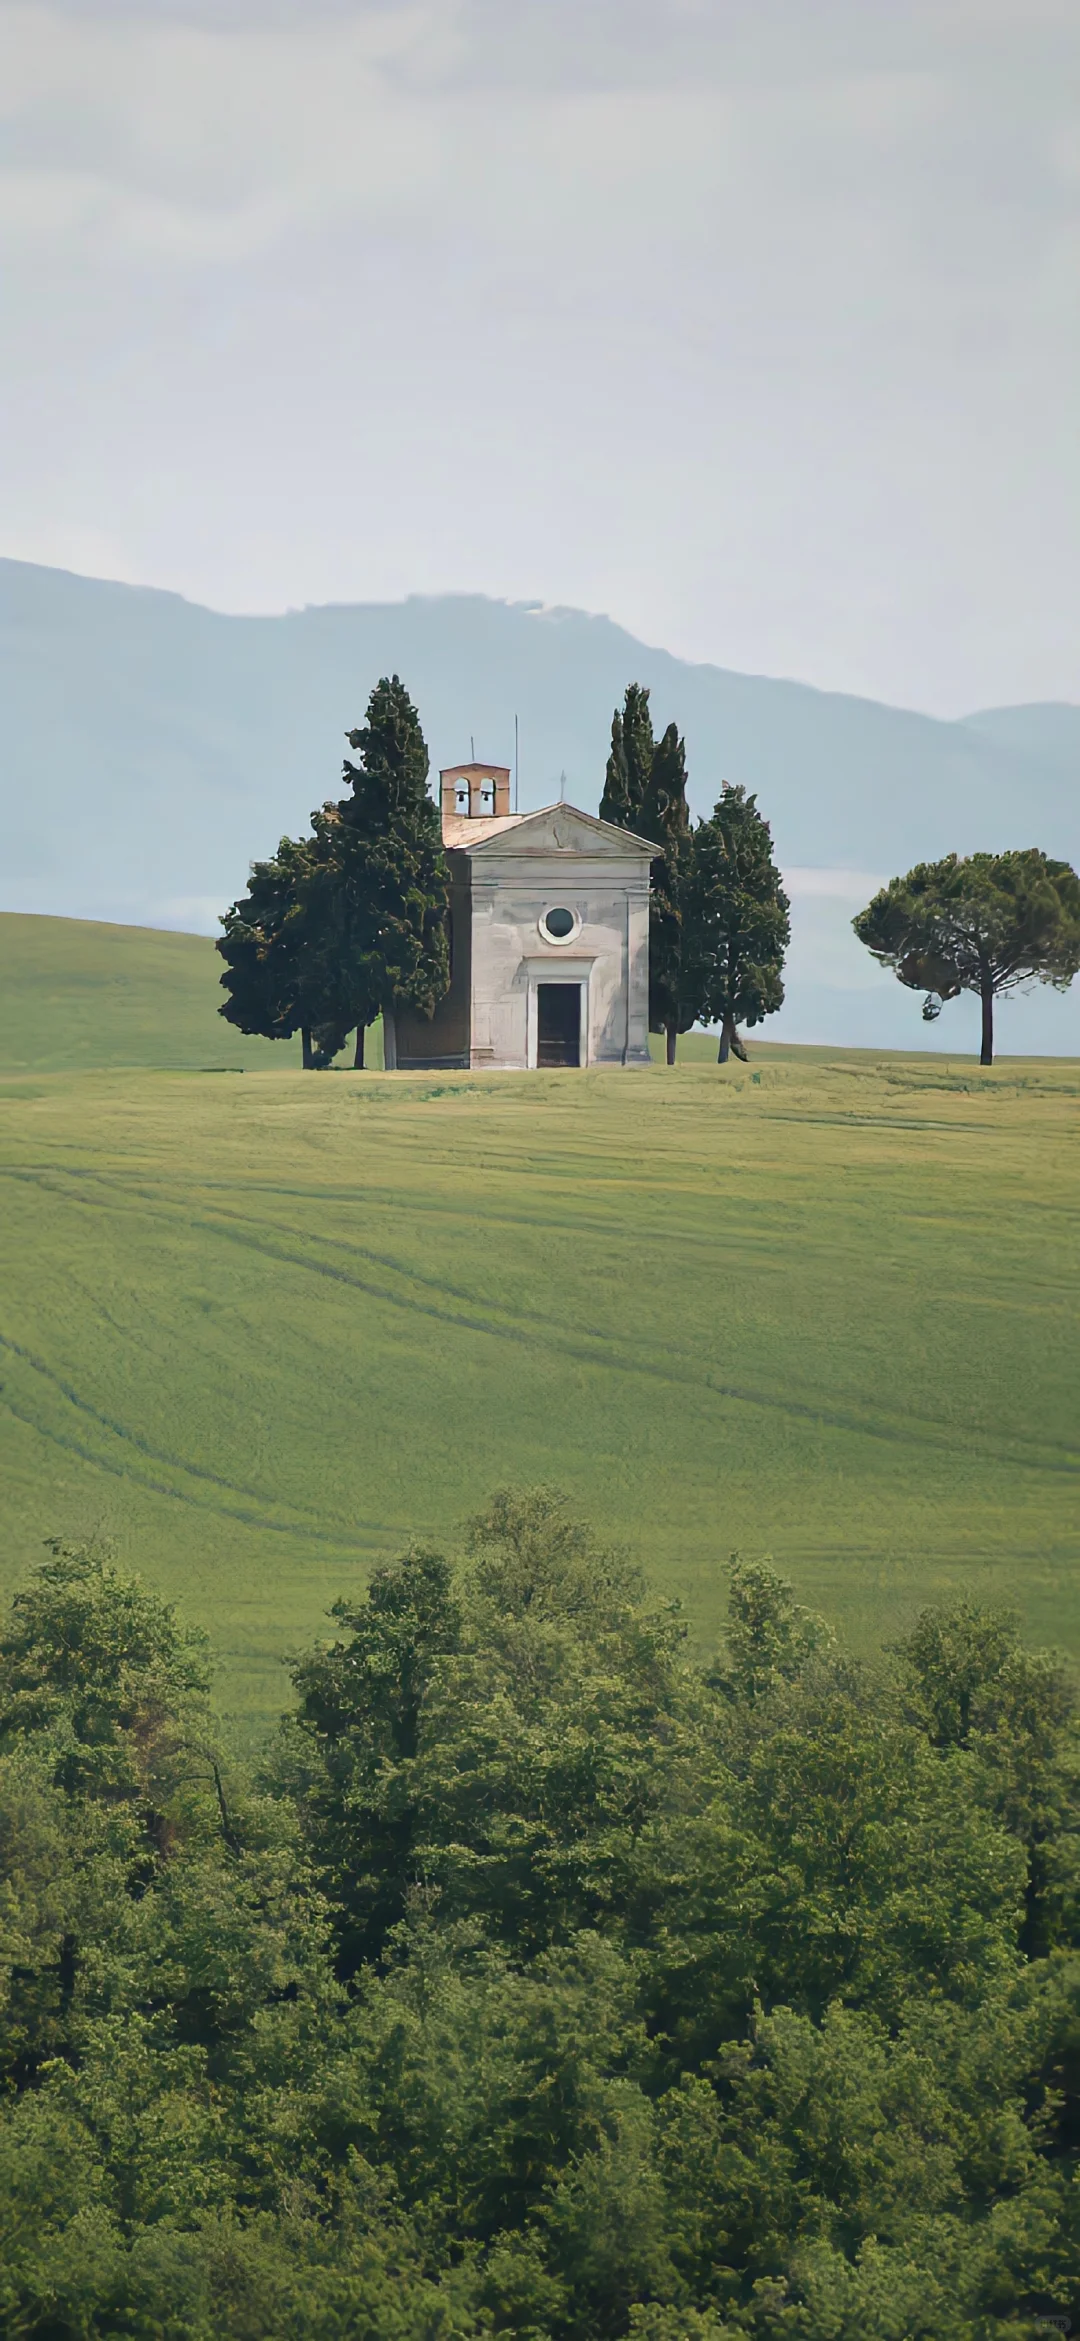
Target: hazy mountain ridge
151 747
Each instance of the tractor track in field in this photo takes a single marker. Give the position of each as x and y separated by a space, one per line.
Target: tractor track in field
168 1205
121 1184
160 1487
264 1235
163 1459
65 1180
586 1348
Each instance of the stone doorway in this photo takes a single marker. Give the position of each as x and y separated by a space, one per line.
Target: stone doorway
558 1024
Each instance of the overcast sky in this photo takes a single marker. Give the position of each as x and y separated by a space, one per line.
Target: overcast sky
754 323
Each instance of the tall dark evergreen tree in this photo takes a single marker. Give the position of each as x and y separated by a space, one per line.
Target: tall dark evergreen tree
639 745
615 801
340 927
736 927
629 766
382 846
280 977
665 817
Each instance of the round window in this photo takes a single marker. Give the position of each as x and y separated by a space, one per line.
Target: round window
559 924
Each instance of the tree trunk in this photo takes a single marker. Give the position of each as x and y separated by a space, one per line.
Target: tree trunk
389 1041
672 1037
358 1060
730 1042
986 1056
307 1051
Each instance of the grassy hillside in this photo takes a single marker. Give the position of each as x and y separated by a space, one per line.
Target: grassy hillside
74 994
262 1329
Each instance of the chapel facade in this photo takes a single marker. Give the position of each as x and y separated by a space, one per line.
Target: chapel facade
549 938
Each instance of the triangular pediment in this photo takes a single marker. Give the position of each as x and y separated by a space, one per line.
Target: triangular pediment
559 829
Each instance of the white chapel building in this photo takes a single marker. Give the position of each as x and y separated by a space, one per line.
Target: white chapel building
549 937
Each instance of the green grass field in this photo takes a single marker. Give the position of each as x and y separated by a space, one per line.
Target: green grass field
75 994
261 1329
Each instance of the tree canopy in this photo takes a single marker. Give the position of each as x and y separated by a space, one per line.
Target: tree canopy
983 924
629 766
383 846
645 790
281 972
736 923
344 925
718 922
665 817
549 1980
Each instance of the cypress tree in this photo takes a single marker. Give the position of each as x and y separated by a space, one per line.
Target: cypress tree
639 745
664 817
736 925
386 915
629 765
278 975
615 802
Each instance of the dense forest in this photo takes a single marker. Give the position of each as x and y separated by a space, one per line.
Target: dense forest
547 1979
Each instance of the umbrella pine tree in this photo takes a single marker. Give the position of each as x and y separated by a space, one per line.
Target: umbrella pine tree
986 924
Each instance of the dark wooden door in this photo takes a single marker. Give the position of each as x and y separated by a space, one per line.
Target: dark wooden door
558 1024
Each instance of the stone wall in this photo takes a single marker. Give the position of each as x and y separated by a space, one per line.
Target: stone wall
608 952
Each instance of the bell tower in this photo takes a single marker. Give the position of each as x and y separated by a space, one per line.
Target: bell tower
475 791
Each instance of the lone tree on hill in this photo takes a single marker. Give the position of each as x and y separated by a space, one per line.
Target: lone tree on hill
382 846
629 766
665 817
279 974
985 924
736 927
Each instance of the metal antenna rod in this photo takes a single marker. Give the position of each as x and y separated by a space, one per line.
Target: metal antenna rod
472 748
517 764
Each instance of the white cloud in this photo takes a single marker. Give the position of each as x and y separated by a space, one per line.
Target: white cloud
200 144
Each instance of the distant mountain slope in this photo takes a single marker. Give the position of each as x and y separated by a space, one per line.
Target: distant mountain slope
150 748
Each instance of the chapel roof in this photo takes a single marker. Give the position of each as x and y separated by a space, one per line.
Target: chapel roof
468 830
471 829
